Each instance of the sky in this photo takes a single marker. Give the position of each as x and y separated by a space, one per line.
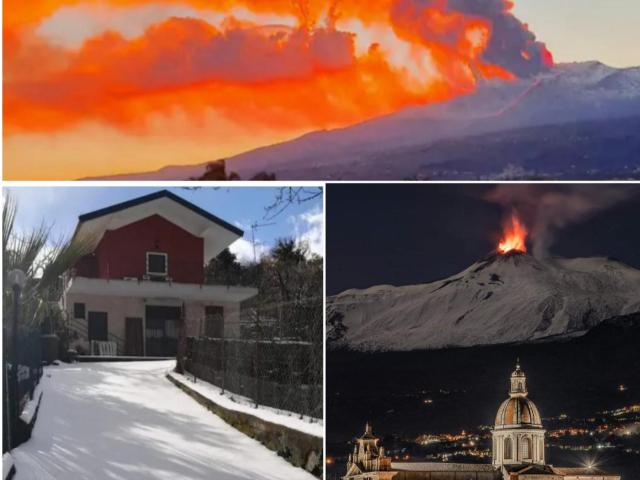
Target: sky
59 208
582 30
403 234
99 87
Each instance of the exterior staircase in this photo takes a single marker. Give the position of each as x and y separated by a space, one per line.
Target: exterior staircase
81 328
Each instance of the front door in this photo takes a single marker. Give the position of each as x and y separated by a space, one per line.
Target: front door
161 330
98 329
133 337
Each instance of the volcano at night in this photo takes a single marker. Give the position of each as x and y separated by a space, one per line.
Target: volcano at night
504 298
426 362
518 292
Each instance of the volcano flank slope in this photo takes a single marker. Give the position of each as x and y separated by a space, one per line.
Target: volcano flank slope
574 121
500 299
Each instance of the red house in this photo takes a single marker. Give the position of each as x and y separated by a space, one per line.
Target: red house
145 275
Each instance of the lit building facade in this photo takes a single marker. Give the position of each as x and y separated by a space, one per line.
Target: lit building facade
518 451
518 436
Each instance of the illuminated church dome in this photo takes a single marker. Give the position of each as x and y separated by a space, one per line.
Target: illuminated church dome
518 410
518 436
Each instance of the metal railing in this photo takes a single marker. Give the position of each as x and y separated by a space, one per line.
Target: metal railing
81 327
15 395
282 374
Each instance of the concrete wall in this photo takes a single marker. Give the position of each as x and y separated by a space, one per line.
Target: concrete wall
298 448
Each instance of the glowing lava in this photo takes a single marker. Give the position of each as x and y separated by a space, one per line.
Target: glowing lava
513 237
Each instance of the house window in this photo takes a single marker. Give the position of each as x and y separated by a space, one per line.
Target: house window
214 322
78 310
157 263
508 449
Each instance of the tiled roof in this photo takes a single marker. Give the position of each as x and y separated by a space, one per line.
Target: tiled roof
529 469
154 196
441 467
577 471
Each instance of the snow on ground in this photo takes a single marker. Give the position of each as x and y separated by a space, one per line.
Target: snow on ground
7 464
126 421
29 409
231 401
549 297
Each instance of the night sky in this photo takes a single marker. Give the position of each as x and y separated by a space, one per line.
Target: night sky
404 234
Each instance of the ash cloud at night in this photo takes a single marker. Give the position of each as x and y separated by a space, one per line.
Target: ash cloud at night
548 210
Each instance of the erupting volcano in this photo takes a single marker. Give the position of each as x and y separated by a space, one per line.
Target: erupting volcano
513 237
285 68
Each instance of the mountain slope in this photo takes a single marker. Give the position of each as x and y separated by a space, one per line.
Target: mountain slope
501 299
569 93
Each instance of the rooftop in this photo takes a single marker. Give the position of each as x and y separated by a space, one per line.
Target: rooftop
217 233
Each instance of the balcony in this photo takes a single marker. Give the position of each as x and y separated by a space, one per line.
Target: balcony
141 288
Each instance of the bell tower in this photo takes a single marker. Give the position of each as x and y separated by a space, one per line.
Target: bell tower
518 382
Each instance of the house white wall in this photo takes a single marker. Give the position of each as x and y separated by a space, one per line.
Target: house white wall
118 308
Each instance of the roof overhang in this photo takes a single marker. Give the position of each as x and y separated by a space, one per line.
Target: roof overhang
216 233
159 290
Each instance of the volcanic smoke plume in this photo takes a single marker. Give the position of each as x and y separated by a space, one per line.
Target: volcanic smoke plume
545 210
324 64
459 28
511 45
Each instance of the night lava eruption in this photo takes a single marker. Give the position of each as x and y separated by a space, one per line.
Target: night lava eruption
514 236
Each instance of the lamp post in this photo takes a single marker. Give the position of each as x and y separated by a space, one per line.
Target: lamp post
17 279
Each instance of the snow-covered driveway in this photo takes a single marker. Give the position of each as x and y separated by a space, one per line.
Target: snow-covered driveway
125 420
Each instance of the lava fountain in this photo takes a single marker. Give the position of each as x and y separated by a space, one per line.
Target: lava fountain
514 236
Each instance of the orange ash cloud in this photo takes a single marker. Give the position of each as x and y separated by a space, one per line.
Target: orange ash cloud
259 75
456 41
283 78
20 12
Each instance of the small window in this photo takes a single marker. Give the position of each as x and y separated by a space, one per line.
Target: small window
170 329
213 322
157 263
78 310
